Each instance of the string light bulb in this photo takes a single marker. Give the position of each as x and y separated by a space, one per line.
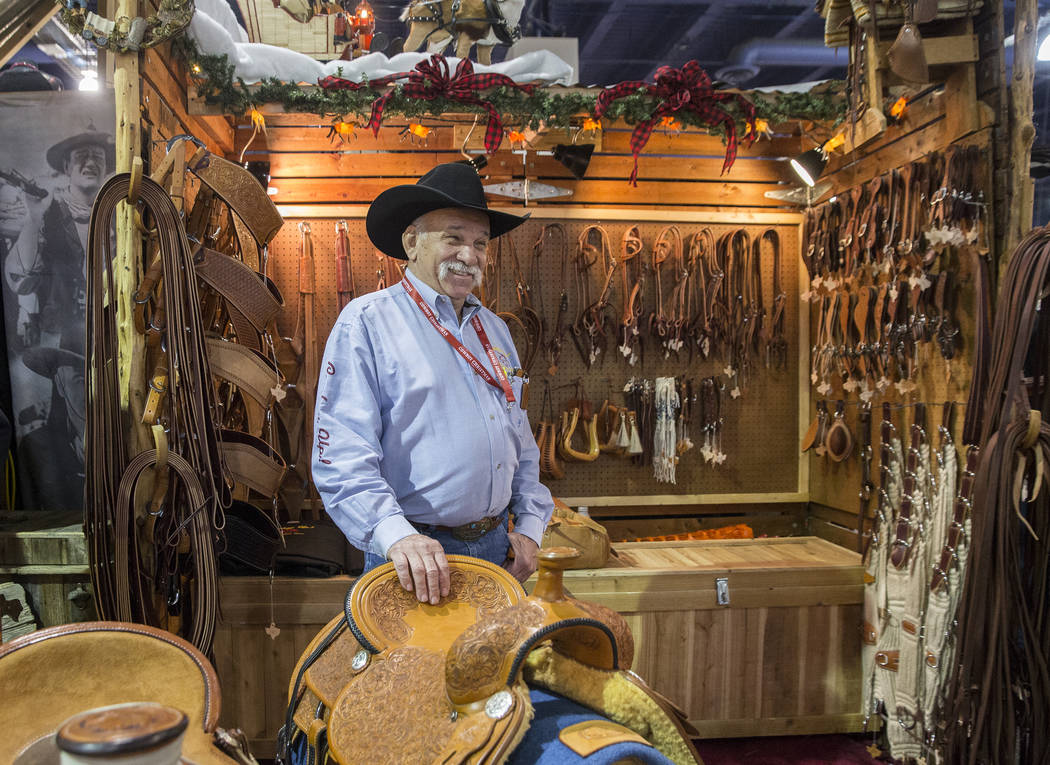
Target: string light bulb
670 123
834 142
762 129
898 109
258 121
342 131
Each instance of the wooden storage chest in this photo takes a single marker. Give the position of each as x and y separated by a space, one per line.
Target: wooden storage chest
779 655
783 656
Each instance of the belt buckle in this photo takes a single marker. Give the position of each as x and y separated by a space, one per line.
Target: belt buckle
469 532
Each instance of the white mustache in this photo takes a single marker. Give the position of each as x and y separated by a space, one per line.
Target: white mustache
461 269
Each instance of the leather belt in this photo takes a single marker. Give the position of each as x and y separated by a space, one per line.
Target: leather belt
468 532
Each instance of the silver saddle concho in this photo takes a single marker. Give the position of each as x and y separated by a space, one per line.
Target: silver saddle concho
393 680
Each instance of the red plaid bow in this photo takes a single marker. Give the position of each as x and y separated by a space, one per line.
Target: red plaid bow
432 79
688 88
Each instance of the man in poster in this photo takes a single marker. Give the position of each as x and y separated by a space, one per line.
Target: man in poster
47 189
45 268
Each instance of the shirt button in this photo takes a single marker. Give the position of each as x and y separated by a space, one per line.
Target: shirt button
492 417
499 465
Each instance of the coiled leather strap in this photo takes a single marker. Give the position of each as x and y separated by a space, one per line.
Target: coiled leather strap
199 499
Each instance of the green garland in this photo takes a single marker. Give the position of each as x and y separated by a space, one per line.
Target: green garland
217 85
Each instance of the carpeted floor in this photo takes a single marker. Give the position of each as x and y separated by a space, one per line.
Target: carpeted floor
787 750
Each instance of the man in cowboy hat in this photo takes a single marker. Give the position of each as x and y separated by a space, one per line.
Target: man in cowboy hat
421 445
45 268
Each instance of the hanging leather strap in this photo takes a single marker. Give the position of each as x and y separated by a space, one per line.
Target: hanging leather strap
344 274
867 486
776 345
554 332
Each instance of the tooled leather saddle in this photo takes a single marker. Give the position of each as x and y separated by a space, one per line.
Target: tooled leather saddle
393 680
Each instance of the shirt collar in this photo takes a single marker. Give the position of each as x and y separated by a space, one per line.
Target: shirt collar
430 295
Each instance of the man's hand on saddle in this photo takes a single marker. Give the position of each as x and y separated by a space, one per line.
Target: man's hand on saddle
421 567
521 558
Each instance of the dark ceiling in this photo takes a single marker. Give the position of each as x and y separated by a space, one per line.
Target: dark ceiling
622 39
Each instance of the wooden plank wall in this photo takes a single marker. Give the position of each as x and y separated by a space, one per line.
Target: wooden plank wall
164 109
676 171
946 116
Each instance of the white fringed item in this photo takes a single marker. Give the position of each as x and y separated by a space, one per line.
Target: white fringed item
665 441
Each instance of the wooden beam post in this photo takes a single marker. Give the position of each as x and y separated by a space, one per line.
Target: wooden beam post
127 266
18 26
1022 131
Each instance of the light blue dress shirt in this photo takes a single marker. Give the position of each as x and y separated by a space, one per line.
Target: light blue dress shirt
405 430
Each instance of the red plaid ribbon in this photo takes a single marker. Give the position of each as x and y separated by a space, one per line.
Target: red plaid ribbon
432 79
688 88
332 82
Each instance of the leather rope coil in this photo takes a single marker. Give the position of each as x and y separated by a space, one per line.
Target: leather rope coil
191 434
999 690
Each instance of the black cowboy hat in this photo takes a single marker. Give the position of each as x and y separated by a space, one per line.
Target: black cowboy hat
46 361
57 154
449 185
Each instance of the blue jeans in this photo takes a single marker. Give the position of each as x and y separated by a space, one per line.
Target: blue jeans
492 546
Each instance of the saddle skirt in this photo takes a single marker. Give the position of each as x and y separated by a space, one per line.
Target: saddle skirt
393 680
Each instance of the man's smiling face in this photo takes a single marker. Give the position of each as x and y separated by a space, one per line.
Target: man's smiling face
448 250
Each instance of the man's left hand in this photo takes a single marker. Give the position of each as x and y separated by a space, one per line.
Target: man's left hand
521 561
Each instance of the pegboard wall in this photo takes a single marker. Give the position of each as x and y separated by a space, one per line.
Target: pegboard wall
760 432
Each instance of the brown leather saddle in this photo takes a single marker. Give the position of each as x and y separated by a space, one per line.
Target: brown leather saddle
44 676
393 680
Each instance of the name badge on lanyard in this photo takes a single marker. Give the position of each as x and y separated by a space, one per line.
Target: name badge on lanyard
500 381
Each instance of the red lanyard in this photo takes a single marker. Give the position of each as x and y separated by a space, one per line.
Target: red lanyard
500 381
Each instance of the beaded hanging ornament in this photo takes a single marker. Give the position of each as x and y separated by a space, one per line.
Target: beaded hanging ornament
125 34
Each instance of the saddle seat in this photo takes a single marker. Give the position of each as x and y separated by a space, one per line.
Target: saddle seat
53 674
393 680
